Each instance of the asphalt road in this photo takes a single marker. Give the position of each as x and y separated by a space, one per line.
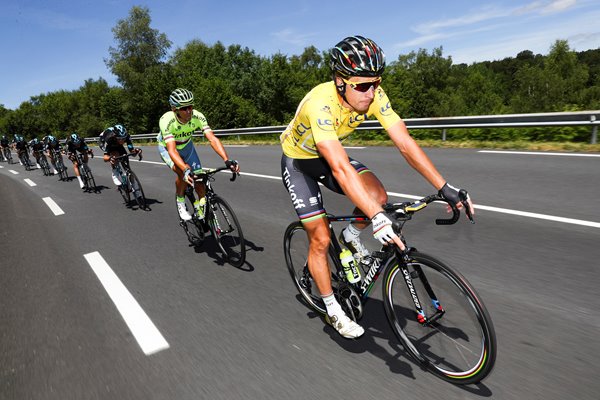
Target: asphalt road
109 302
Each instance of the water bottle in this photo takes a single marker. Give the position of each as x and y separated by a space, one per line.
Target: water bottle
349 264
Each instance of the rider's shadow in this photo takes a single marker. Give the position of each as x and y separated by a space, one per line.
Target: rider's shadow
376 326
377 331
209 247
133 205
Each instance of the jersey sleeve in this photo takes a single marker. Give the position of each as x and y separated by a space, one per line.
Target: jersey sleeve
382 109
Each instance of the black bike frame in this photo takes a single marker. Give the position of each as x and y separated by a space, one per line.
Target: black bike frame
380 263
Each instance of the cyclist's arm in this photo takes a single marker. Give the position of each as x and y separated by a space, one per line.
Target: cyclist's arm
216 144
347 177
414 155
174 154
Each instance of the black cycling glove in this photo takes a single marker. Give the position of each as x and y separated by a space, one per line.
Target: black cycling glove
450 193
231 163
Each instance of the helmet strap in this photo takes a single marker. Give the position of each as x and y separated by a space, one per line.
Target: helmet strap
341 89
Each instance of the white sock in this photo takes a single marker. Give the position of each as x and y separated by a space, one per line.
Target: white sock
351 232
80 181
331 304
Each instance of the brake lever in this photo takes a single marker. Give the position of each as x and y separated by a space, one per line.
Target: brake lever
464 197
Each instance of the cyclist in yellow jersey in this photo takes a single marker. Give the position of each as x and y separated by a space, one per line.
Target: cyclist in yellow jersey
177 149
313 154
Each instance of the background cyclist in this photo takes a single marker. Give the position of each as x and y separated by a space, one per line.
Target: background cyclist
52 145
36 149
112 141
4 145
313 153
21 147
76 143
177 149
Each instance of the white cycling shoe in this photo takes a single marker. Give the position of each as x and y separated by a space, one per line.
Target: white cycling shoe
116 179
345 326
183 212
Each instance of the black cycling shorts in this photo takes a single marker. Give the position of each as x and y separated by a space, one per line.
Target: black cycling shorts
301 178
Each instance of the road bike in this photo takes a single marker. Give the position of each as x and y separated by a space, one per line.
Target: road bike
60 165
43 161
433 310
89 183
130 184
219 219
7 155
24 158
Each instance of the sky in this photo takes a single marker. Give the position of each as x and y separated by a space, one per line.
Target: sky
54 45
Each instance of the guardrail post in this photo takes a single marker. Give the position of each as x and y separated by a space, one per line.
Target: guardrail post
594 131
443 135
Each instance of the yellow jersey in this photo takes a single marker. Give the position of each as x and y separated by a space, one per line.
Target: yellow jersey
321 116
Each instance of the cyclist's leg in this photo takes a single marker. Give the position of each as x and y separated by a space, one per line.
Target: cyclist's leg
189 155
306 196
180 183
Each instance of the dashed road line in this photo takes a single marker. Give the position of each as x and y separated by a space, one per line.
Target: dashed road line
12 171
143 329
53 206
29 182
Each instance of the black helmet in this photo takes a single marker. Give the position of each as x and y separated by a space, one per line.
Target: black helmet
120 131
181 98
75 138
357 56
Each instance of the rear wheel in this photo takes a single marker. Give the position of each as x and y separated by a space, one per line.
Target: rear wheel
295 248
227 231
454 337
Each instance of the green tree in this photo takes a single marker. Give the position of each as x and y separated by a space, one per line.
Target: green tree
140 49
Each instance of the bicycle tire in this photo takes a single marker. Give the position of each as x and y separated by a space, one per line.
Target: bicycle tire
44 165
125 193
137 190
460 346
295 248
226 230
62 170
89 177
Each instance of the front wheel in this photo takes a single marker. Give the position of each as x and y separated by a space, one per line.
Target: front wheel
227 231
453 337
136 189
89 177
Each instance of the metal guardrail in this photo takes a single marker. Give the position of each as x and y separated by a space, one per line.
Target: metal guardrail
578 118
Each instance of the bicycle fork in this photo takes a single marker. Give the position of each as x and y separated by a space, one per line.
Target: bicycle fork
409 278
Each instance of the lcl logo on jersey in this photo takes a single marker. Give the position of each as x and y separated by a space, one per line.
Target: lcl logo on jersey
356 120
386 109
325 124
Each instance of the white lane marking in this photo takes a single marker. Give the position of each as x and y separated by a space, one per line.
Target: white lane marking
29 182
12 171
516 212
235 145
1 167
353 147
478 206
53 206
143 329
539 153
